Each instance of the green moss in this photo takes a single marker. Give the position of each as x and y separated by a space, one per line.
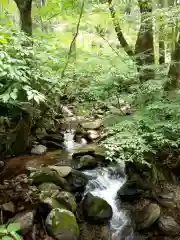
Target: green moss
61 222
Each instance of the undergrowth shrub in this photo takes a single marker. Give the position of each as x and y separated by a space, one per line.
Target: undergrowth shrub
21 79
140 136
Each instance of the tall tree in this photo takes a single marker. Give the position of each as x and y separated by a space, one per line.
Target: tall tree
161 5
25 7
144 49
174 70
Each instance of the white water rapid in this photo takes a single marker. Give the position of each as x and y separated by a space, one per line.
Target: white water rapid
105 183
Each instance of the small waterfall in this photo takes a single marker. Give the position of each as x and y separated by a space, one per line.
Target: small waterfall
69 142
105 182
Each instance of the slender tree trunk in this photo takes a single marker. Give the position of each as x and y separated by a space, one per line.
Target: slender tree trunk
174 70
144 48
161 36
24 7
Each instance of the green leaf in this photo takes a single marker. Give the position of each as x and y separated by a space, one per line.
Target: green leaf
2 74
7 238
13 227
16 236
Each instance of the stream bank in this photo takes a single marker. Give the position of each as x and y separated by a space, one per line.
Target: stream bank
97 199
60 185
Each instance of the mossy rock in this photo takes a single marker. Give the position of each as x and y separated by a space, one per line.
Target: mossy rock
53 203
92 124
77 181
90 149
87 162
63 171
48 175
67 200
62 224
95 209
48 190
48 186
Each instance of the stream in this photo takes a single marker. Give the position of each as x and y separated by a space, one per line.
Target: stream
104 183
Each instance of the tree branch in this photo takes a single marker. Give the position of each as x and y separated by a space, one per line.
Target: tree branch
69 53
118 30
73 40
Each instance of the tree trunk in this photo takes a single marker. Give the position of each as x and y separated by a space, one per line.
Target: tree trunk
144 48
161 36
24 7
174 70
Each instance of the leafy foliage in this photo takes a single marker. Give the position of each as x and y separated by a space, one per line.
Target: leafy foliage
141 136
20 74
9 232
99 73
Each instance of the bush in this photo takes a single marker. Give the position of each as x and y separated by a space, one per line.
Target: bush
140 137
20 75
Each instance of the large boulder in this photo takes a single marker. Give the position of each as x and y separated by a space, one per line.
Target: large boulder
25 219
49 175
130 191
92 124
95 209
168 226
145 217
77 181
165 197
62 225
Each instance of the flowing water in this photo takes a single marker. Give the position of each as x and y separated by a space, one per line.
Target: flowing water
105 183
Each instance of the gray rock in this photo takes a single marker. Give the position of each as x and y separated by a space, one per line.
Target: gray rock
48 190
165 198
48 186
63 171
40 132
67 200
93 134
90 149
52 203
62 225
77 181
147 216
168 226
9 207
25 219
39 150
96 209
49 175
92 125
130 191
